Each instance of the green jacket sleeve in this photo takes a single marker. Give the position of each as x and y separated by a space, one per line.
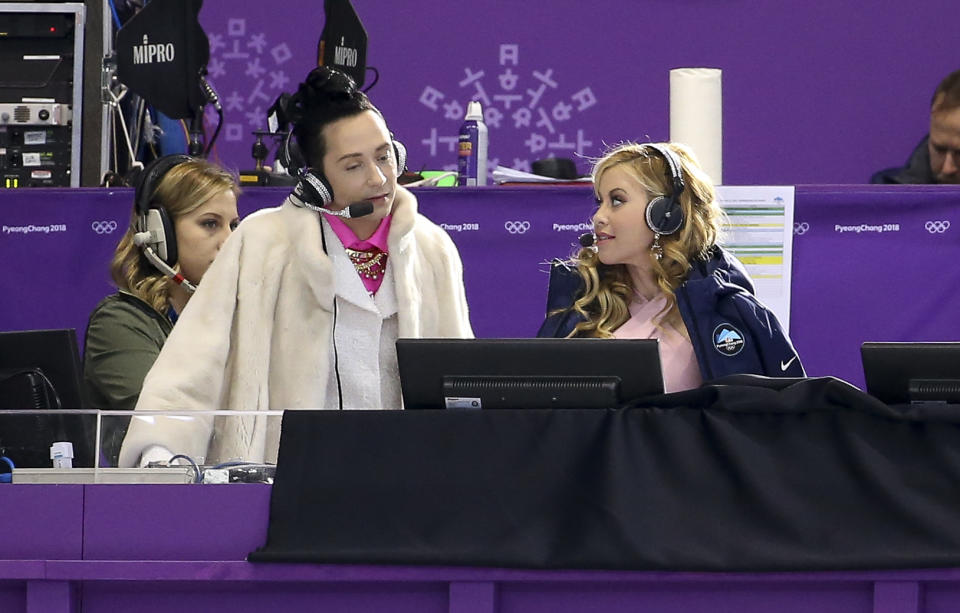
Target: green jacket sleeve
122 342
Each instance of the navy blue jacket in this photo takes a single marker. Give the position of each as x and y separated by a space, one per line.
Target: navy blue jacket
916 171
731 331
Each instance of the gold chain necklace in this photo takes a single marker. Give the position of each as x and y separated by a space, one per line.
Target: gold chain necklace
369 264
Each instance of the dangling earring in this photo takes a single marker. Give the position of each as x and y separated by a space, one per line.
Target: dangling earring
656 248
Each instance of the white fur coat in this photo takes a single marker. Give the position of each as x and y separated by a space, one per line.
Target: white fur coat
256 335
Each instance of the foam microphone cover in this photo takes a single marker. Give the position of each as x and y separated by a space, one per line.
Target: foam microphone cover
588 240
360 209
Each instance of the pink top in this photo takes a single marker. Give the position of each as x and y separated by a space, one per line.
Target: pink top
350 241
679 362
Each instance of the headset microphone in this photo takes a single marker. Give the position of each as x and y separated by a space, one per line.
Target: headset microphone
588 241
357 209
142 240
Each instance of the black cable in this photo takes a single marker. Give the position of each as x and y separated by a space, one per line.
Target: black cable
233 463
194 145
333 331
336 361
214 99
376 78
216 132
197 475
47 384
51 389
137 130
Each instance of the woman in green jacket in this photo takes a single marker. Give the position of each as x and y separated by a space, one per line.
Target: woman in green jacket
184 210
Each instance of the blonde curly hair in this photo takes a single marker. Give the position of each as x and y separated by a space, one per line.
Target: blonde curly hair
608 290
183 189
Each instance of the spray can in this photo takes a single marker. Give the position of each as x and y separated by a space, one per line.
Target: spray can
472 147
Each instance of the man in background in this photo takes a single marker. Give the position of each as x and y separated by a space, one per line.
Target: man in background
937 158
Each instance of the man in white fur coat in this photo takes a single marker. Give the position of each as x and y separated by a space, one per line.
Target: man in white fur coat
302 308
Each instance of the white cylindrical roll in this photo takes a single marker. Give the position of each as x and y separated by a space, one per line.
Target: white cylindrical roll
696 115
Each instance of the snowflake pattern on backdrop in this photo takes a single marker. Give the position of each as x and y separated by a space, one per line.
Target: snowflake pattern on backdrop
526 118
544 121
238 51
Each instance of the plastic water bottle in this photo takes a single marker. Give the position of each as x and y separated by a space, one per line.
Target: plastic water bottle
472 149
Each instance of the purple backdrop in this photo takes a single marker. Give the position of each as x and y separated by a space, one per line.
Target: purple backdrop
870 263
814 92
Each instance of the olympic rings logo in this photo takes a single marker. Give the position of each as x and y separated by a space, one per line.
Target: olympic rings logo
800 228
937 227
516 227
104 227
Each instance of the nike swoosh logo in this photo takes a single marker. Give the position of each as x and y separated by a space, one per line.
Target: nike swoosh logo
785 365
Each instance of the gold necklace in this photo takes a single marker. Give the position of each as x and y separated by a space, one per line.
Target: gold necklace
369 263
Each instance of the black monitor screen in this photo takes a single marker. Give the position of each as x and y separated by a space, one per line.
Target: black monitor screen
900 373
527 373
40 370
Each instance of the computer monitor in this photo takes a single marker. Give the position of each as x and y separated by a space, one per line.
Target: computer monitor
527 373
39 371
900 373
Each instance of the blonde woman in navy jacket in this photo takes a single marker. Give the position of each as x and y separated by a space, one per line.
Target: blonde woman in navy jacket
656 271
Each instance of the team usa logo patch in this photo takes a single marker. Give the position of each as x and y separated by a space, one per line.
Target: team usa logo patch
727 340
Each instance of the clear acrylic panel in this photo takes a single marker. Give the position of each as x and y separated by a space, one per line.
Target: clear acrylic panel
139 446
26 437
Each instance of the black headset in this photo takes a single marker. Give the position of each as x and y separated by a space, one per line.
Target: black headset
664 213
314 191
313 188
151 216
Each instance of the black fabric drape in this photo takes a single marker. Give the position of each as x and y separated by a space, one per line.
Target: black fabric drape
744 474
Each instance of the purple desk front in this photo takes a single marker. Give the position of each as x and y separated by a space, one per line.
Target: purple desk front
182 548
869 262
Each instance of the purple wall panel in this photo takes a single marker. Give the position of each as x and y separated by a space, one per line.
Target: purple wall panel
13 597
174 522
56 276
896 596
705 597
848 286
892 285
814 92
473 597
51 596
58 509
239 598
938 597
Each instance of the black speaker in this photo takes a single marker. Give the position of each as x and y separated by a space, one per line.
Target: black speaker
664 213
151 216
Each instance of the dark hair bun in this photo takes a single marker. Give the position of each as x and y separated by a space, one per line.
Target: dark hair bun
330 80
324 88
325 96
